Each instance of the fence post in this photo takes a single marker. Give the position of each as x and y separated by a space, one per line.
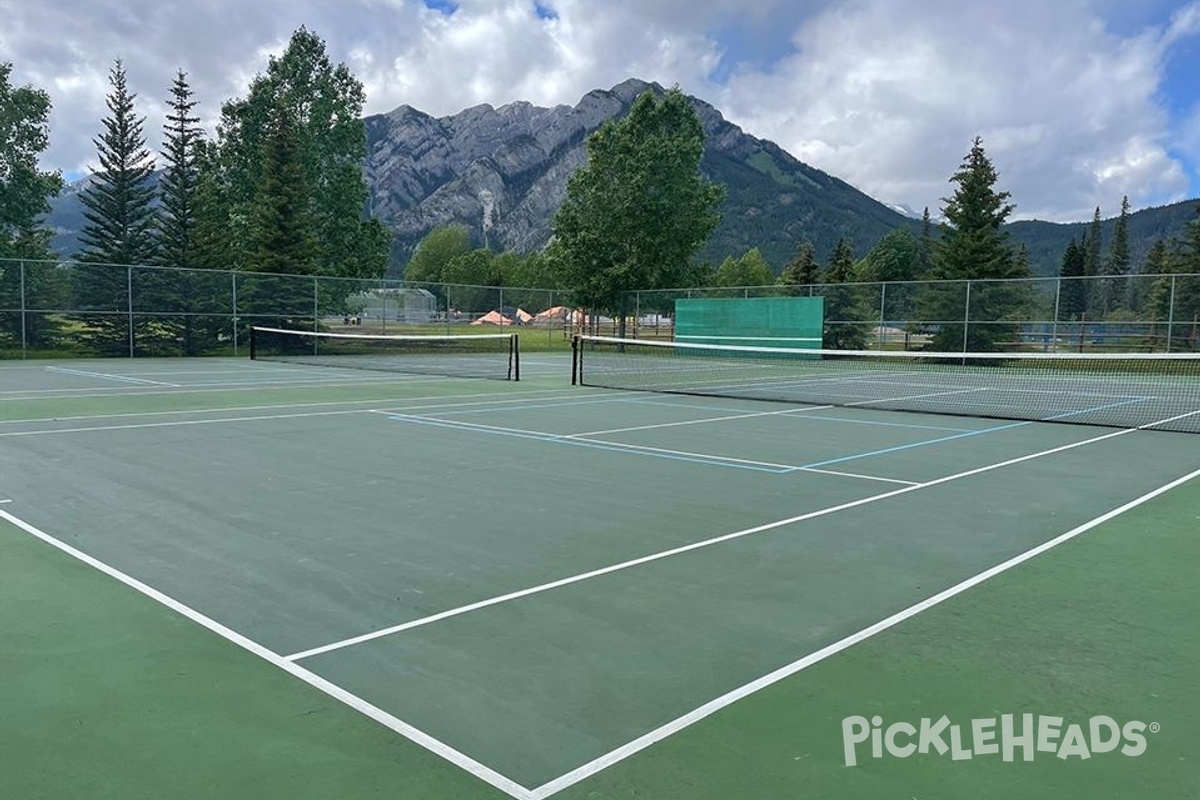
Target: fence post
882 311
1171 315
24 311
129 305
966 317
233 291
1057 305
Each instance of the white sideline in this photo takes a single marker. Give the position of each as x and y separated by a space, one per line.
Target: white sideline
109 377
484 773
504 598
642 742
372 403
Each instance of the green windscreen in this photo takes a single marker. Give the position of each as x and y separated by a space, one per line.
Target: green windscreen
793 322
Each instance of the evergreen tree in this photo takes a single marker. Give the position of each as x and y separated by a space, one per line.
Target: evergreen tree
25 192
324 102
925 246
188 293
1093 245
118 207
974 247
1072 291
844 307
802 270
211 243
282 243
1155 298
1184 261
1113 291
180 180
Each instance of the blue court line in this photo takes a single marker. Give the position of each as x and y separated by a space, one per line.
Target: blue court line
1100 408
714 461
969 434
911 445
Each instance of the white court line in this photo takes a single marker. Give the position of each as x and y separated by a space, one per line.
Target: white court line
106 376
370 402
787 412
675 726
747 415
481 771
198 388
635 562
624 447
179 423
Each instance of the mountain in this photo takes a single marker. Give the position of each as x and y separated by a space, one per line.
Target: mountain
1047 241
503 172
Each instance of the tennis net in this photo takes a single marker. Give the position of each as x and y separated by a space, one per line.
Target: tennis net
468 356
1151 390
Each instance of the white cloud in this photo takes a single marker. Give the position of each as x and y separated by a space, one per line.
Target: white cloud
885 95
889 96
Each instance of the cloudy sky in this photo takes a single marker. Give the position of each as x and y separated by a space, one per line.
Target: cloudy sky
1078 101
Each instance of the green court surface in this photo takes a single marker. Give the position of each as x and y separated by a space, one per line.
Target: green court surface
231 579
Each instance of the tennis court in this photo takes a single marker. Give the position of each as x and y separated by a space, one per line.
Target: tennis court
531 588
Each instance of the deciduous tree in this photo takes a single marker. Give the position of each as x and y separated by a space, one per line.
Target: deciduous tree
637 213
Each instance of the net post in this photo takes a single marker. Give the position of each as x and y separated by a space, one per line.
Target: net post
253 342
515 357
575 370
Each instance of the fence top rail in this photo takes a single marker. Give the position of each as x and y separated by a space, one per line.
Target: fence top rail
955 281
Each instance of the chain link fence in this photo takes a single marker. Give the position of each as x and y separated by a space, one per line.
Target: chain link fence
71 308
1142 313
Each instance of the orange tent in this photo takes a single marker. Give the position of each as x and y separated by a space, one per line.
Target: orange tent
493 318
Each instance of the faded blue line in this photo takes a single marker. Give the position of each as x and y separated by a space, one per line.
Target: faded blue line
912 445
1099 408
969 434
557 439
798 414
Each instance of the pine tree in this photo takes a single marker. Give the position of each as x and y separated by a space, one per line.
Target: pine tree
177 221
1072 293
1093 245
802 270
118 207
844 310
925 246
1114 289
324 102
282 241
190 293
974 247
